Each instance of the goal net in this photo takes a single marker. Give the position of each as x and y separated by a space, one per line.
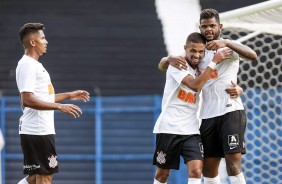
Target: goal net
262 84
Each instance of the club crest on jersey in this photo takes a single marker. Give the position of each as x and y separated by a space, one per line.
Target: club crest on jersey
233 141
161 157
53 161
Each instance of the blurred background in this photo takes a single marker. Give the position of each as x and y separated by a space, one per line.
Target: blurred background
112 49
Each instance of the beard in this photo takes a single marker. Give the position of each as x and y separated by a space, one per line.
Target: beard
214 36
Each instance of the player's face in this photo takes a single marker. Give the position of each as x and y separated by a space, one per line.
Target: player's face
210 29
194 53
40 43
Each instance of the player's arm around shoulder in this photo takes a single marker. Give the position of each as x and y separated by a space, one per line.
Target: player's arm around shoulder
163 64
197 83
243 50
175 61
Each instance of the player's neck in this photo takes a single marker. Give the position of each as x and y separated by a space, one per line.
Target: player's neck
190 64
31 54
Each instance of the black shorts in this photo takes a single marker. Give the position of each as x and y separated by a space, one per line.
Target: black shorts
40 155
224 134
169 147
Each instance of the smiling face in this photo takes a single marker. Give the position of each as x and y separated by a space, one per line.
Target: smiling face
210 29
194 53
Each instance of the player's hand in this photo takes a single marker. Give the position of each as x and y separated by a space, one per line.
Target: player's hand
222 55
178 62
216 44
71 109
80 95
235 91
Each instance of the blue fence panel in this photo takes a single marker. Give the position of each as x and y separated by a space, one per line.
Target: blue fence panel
99 107
109 126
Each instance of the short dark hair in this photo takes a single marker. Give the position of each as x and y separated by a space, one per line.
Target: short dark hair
29 28
208 14
195 38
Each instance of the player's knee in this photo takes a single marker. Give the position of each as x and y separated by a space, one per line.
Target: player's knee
233 168
162 176
210 171
195 173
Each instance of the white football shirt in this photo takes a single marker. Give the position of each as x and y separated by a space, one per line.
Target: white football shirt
179 105
32 77
216 101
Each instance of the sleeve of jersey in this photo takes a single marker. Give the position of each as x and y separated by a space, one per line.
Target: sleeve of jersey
177 74
27 78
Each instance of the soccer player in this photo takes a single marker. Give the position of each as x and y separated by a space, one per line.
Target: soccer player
38 100
223 116
177 128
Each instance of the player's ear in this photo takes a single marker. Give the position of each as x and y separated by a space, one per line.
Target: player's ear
32 42
220 26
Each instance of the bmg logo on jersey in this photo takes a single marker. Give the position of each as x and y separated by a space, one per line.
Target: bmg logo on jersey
187 96
233 141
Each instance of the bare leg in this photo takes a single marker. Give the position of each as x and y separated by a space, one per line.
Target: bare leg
162 175
43 179
195 168
31 179
211 165
233 164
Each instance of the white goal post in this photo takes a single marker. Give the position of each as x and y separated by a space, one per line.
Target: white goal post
265 17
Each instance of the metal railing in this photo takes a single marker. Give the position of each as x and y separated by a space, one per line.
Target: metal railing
97 110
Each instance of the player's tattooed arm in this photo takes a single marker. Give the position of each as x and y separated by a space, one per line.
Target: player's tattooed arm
243 50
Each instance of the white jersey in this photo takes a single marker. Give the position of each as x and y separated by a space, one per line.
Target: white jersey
179 105
32 77
216 101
